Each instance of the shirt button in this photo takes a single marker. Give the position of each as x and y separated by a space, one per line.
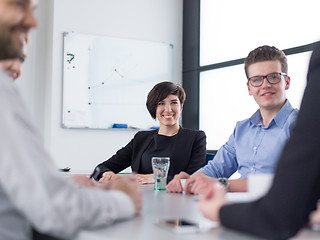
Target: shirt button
252 169
254 148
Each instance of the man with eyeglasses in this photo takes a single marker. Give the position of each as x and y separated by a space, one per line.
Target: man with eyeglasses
256 143
295 192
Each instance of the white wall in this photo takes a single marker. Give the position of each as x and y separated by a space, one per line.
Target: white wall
152 20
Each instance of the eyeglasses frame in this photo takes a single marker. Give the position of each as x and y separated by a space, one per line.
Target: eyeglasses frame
266 77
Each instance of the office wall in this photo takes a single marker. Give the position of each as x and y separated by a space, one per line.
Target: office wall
152 20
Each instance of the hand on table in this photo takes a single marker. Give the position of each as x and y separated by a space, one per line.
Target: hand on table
314 217
145 178
129 185
211 202
107 176
83 181
199 183
174 185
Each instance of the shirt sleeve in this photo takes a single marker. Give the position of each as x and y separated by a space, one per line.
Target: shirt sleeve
224 164
35 189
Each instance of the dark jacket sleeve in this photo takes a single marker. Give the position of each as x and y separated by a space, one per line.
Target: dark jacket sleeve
189 154
296 187
118 162
198 154
130 155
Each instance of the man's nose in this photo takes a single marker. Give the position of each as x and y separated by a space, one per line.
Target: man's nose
30 20
265 83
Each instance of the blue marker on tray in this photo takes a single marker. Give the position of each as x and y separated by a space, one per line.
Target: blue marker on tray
120 125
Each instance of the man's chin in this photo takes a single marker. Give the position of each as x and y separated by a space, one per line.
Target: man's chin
11 52
10 49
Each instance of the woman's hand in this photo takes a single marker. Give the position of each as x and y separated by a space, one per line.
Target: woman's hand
145 178
107 176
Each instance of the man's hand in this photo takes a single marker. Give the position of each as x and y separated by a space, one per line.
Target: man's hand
83 181
314 217
145 178
174 185
199 183
130 186
211 202
107 176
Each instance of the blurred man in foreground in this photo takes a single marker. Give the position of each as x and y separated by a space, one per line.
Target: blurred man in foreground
32 192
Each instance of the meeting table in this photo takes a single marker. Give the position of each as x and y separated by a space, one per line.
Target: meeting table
160 205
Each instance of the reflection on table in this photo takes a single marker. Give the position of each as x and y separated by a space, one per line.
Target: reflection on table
163 205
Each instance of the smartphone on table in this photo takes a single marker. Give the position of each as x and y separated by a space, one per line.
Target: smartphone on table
179 225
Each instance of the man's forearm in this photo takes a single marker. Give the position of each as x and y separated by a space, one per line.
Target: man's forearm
238 185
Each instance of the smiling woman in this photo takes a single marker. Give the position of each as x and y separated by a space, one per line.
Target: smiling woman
186 148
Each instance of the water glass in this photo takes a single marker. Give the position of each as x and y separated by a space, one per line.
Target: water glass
160 166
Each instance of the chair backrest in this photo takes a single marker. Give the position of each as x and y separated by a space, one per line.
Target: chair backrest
209 157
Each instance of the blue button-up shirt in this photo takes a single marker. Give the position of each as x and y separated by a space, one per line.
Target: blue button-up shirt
253 148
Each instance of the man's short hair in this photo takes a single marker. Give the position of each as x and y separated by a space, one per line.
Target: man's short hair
160 91
266 53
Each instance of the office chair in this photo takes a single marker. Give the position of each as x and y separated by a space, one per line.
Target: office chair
209 156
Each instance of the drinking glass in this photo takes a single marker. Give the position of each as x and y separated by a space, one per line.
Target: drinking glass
160 166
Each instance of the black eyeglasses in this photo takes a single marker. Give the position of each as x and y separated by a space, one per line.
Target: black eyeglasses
272 78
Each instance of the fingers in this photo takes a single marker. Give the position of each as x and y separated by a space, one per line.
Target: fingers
83 181
209 194
107 176
211 203
103 180
138 202
174 186
182 175
199 184
189 185
114 177
145 178
127 184
130 186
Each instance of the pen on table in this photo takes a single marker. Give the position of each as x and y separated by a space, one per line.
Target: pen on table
95 173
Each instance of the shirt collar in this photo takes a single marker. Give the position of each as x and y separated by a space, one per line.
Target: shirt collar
279 119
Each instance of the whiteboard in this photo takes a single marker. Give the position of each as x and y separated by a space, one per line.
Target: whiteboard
106 80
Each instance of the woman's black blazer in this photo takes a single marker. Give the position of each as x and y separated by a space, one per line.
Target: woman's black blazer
189 153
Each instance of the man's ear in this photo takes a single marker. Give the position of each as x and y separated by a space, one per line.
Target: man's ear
249 89
287 79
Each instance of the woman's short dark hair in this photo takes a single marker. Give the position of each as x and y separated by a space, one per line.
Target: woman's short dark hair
160 91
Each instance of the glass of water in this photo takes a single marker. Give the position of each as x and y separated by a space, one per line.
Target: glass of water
160 166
